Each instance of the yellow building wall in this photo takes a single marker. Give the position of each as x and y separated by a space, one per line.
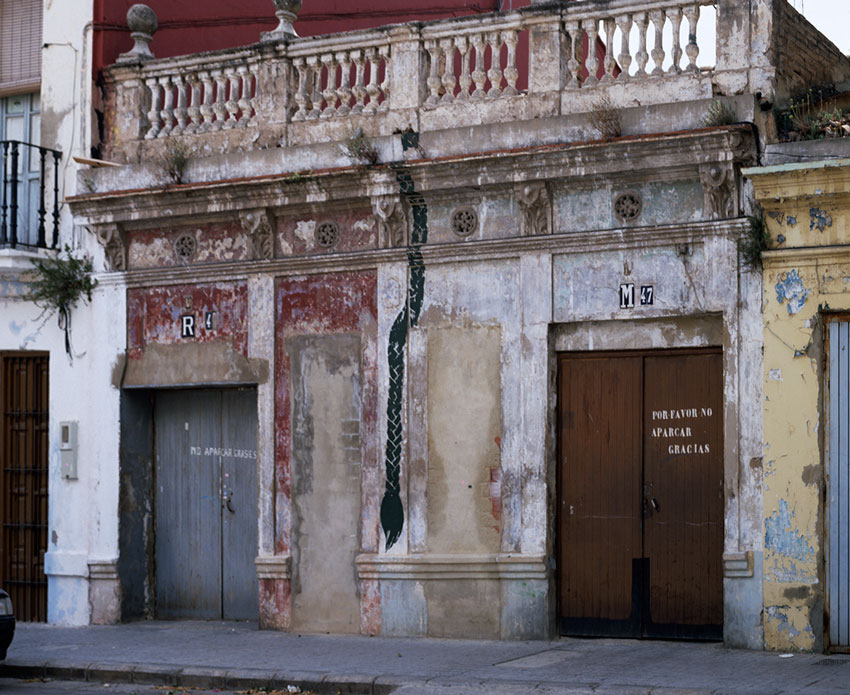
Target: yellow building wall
806 282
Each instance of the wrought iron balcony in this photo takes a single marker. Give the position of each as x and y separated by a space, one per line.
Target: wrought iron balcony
29 214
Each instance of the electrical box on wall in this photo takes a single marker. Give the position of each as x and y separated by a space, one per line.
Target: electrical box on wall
68 449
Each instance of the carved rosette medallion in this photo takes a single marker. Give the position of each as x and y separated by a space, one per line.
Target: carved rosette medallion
391 219
258 226
536 206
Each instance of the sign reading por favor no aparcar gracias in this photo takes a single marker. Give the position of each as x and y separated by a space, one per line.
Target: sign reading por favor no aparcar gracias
188 324
670 425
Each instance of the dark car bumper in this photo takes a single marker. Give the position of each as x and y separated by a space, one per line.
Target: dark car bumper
7 631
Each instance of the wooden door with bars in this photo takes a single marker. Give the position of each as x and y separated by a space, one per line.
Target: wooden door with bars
23 481
640 528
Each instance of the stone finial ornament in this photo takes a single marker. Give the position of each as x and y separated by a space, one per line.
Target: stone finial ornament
143 24
286 12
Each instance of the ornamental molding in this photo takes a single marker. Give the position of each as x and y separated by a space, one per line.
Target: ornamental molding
273 566
426 566
391 219
257 224
720 190
113 240
536 205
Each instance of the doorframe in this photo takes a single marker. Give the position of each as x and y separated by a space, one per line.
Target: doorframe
828 319
40 610
137 489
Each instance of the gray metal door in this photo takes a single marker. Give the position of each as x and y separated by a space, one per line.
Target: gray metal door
206 504
838 487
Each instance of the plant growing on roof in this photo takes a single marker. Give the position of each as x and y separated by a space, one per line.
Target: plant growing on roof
57 284
719 113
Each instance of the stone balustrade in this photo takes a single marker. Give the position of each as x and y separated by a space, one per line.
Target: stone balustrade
518 65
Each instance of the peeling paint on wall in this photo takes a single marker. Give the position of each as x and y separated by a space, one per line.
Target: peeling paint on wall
820 219
790 288
793 556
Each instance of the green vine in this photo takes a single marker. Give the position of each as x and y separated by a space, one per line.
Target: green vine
756 241
58 284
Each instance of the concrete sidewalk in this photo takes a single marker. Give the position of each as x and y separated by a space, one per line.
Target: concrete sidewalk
238 656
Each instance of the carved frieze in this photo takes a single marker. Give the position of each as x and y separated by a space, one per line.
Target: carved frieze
259 227
392 220
536 205
720 191
111 237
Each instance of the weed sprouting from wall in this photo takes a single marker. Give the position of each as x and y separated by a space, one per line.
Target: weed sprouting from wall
756 241
360 149
719 113
605 118
174 161
58 284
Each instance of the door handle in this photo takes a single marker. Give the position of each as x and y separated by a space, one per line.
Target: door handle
654 504
228 505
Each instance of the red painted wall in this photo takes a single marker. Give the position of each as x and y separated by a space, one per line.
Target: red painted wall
192 27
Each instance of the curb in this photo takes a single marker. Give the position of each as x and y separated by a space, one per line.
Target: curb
205 678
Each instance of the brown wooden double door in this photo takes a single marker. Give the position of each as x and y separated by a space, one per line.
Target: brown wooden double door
23 481
641 494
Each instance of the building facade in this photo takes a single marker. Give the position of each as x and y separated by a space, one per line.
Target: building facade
397 333
805 364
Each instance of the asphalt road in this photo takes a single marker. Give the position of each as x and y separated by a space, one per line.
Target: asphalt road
11 686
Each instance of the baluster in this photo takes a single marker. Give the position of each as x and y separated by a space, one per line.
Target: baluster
692 49
343 91
465 80
232 103
675 16
195 107
434 80
385 85
592 63
218 105
657 17
449 79
153 114
41 241
495 71
573 62
181 112
301 97
511 39
329 92
624 57
246 102
314 85
167 112
609 25
642 57
372 89
207 112
478 75
359 89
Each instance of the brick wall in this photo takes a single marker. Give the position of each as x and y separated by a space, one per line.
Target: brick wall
805 57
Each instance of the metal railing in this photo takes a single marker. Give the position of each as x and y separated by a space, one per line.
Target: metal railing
24 213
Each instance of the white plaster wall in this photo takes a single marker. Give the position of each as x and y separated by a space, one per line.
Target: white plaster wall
83 513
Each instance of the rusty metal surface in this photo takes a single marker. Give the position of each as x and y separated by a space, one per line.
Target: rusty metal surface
23 481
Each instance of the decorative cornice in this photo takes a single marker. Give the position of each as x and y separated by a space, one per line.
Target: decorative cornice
462 252
459 566
111 237
258 226
576 165
391 217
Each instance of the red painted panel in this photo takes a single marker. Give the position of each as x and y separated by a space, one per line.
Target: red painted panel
154 315
315 305
216 24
